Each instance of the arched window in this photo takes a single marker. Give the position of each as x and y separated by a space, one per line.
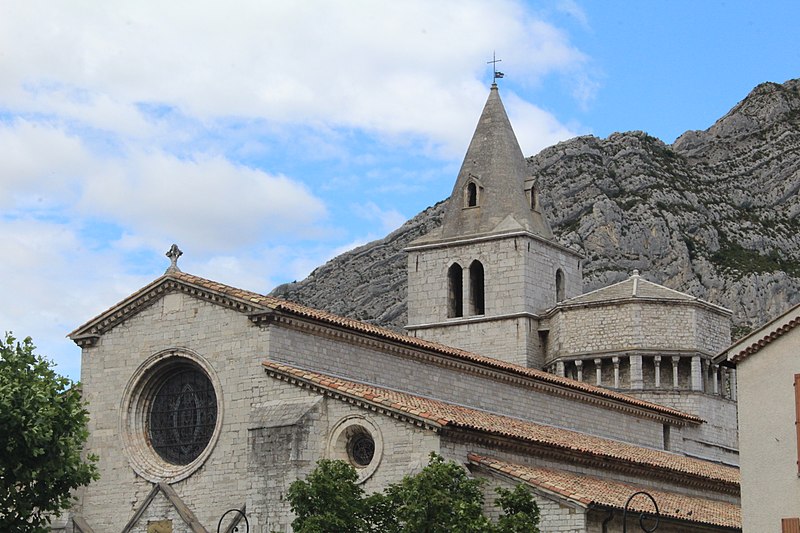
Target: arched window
472 194
559 285
455 291
476 288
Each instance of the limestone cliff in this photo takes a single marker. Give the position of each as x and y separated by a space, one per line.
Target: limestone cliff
714 215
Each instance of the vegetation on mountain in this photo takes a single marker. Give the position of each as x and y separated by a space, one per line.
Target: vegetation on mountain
715 215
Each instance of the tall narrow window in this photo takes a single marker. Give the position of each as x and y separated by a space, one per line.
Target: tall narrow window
559 285
455 285
472 194
476 288
534 199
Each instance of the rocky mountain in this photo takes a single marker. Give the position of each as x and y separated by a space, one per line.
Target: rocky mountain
715 215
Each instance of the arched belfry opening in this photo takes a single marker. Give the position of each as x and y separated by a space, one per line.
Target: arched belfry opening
455 291
559 285
476 288
471 195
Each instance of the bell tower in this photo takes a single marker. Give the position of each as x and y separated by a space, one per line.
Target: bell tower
480 281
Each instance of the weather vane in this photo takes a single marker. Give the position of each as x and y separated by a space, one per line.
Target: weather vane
494 62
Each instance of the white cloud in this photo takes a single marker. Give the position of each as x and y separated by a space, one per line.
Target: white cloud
534 127
389 219
126 126
207 203
385 66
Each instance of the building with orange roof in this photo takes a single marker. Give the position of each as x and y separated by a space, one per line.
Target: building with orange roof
206 397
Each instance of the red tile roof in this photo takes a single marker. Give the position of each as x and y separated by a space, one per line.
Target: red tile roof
447 415
277 304
592 491
755 341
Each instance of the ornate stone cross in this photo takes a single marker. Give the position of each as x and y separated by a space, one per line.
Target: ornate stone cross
173 253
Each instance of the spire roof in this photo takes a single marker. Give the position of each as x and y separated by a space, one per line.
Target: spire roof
494 163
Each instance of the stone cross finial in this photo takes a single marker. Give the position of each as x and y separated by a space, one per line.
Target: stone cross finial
173 253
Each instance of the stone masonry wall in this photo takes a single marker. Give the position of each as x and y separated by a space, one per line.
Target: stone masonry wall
515 340
231 345
339 357
280 455
519 274
636 325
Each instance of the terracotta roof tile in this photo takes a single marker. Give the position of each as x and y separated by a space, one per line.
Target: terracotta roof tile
456 416
758 339
589 491
636 287
270 302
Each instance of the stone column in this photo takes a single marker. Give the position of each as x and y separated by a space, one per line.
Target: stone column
657 365
467 305
598 370
697 373
615 360
579 367
675 360
732 378
560 368
715 378
636 373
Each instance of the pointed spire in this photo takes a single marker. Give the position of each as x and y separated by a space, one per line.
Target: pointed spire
490 192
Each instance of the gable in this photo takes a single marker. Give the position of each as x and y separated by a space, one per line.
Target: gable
243 302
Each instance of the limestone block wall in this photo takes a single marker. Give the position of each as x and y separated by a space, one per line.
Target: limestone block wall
231 346
515 340
281 454
554 517
717 439
632 325
519 273
542 262
364 363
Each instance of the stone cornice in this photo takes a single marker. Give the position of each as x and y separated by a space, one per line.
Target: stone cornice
90 332
650 352
463 241
695 302
599 461
442 360
358 402
472 320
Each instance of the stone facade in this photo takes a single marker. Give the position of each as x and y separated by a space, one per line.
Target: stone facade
254 389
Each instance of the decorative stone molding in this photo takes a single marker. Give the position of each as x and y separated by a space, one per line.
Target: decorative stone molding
135 408
347 431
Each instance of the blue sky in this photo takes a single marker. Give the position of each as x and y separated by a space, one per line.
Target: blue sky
266 137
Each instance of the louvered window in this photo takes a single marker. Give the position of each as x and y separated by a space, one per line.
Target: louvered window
790 525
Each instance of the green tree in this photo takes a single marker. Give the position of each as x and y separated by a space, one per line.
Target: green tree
42 432
520 512
440 499
329 500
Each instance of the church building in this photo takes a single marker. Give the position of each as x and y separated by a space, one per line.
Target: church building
205 397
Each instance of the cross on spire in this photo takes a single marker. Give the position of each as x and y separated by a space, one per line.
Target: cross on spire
173 253
494 62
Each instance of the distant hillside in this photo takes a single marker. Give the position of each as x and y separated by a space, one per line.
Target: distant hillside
715 215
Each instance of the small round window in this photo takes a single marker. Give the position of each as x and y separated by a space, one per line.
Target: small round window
361 449
183 415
